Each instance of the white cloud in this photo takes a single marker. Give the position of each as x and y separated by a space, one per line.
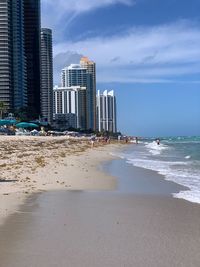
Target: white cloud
144 52
150 74
83 5
54 11
62 60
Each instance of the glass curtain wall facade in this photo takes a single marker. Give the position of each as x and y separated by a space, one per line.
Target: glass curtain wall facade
12 57
20 54
32 27
90 92
46 75
6 84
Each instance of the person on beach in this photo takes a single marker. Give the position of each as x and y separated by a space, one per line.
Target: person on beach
92 140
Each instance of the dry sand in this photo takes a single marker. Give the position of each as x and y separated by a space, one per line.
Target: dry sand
33 164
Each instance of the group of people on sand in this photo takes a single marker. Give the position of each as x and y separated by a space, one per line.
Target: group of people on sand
104 140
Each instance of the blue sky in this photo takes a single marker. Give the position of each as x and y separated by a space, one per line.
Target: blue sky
148 51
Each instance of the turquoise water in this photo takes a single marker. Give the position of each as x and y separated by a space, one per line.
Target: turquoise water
176 158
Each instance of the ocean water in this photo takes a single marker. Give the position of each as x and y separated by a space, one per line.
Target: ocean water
177 159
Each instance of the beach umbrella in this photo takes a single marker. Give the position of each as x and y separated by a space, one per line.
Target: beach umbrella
26 125
7 122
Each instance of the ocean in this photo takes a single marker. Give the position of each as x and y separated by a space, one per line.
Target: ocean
176 158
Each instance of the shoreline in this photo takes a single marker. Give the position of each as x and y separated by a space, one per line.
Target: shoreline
37 164
173 187
136 177
69 169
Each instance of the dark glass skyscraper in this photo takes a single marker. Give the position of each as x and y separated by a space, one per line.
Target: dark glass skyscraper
12 55
46 75
90 92
32 30
20 54
6 88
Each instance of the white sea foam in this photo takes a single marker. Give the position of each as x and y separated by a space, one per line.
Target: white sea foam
156 149
189 195
178 172
162 167
164 159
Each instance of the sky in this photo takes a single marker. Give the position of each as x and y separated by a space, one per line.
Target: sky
147 51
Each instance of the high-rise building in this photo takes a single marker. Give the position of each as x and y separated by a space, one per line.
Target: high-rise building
20 54
83 74
106 111
19 58
90 92
73 76
69 106
13 90
6 83
32 29
46 75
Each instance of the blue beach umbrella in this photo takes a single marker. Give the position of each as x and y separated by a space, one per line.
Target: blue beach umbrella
7 122
26 125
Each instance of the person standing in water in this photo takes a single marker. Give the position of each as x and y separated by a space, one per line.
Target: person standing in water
158 141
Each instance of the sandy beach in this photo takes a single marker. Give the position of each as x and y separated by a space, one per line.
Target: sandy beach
71 213
34 164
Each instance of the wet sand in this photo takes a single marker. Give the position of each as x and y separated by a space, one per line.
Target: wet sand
123 227
102 229
140 181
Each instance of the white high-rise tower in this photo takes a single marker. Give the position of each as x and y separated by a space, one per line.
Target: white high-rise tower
106 111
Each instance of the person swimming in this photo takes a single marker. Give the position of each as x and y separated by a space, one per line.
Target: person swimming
158 141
